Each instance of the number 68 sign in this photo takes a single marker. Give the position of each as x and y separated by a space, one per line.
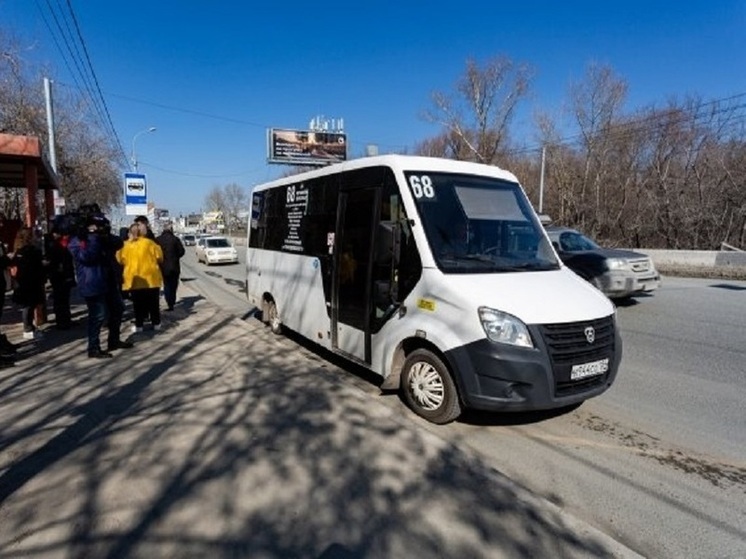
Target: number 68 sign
422 187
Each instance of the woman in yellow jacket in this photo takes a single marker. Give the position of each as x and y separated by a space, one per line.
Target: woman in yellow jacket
141 260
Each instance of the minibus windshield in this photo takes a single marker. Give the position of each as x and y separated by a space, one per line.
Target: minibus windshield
478 224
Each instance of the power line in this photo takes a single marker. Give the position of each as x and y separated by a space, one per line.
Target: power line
95 80
653 121
222 118
621 128
74 53
69 56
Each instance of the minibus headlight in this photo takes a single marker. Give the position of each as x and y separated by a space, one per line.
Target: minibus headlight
504 328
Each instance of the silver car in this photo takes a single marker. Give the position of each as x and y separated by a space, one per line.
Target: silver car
618 273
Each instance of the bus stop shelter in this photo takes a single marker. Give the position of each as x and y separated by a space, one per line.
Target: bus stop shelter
24 165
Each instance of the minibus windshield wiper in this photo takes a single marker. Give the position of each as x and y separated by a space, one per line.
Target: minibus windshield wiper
530 266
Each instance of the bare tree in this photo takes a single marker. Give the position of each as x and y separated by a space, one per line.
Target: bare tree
596 104
236 201
231 200
214 200
86 159
475 118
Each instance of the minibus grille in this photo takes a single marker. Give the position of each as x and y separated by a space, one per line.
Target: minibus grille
568 345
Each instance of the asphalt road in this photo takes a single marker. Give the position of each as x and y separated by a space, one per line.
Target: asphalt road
659 461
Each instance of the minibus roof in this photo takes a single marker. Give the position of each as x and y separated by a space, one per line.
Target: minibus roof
397 163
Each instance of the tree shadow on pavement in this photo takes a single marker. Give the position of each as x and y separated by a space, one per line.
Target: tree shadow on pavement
218 439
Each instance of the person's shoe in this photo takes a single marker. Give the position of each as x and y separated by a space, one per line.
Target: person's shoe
157 327
6 361
98 354
120 345
136 329
32 335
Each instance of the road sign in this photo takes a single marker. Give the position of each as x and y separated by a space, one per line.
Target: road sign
135 194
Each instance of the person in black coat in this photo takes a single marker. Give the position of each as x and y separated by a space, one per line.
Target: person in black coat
61 273
173 250
7 348
30 278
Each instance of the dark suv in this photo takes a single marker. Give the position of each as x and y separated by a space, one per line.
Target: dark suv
617 273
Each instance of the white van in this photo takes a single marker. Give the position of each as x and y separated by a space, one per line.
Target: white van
435 274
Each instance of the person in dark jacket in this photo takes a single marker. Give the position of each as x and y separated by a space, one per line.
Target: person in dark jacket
114 294
96 278
173 250
30 280
7 348
61 274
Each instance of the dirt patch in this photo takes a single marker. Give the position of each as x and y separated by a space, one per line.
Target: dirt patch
716 473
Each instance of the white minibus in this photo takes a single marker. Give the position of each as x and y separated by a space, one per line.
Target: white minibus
435 274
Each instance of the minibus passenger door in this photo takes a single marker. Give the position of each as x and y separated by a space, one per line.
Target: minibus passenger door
351 292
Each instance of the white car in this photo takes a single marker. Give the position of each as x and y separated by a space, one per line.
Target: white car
216 250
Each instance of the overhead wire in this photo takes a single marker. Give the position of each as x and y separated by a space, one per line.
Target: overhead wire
94 93
95 80
653 121
71 54
74 52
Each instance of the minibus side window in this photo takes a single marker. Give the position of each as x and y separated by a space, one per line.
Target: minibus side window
274 222
257 225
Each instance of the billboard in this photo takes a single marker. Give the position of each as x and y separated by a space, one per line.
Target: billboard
306 147
135 194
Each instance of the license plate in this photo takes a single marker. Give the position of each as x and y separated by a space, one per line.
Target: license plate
589 369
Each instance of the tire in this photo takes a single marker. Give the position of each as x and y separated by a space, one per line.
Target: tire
429 389
273 319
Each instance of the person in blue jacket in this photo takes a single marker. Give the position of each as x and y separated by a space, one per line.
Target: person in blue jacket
97 280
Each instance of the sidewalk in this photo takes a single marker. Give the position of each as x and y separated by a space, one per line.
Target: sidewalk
214 438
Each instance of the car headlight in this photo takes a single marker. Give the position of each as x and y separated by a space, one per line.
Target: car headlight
616 263
504 328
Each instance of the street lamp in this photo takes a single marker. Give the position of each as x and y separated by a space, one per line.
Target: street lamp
134 156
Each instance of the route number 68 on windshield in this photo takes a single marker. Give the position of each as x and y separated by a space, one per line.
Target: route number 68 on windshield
421 186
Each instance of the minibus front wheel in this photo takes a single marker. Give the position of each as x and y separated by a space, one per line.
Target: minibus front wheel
428 387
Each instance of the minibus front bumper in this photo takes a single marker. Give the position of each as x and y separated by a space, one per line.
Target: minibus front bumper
494 377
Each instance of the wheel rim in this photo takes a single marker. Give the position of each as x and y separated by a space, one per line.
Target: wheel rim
426 386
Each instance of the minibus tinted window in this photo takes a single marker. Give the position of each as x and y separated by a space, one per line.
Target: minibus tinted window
479 224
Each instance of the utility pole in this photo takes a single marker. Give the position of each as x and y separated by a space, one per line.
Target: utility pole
50 136
541 180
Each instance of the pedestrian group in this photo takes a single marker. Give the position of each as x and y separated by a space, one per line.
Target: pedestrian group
106 268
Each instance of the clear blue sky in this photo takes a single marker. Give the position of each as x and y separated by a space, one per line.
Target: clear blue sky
213 76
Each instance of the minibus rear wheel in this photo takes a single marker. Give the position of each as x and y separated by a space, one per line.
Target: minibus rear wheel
428 387
270 316
273 319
